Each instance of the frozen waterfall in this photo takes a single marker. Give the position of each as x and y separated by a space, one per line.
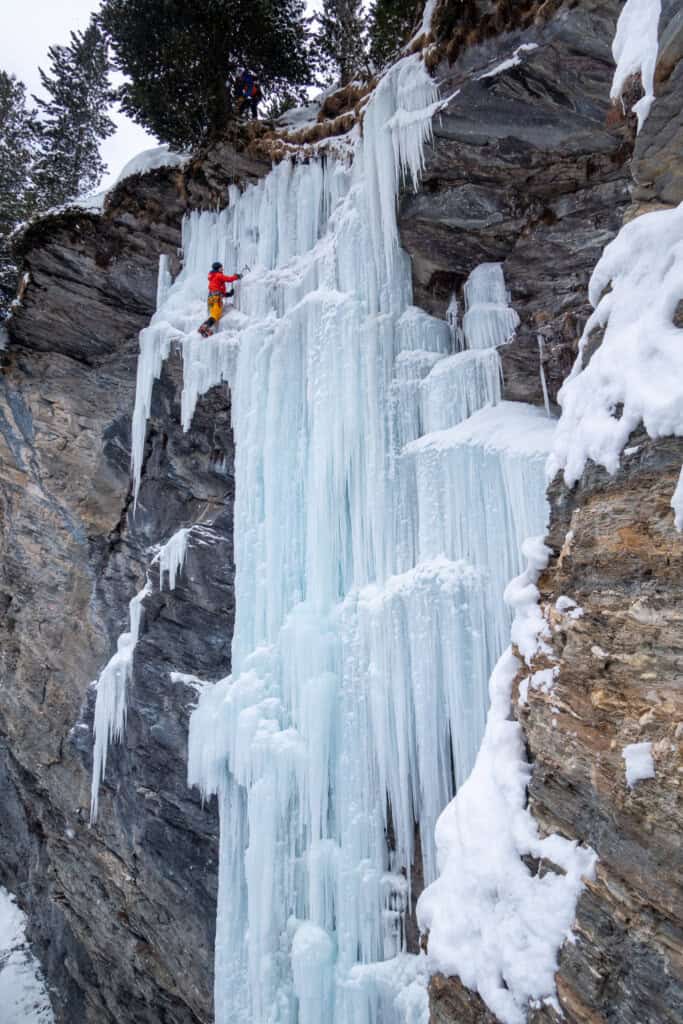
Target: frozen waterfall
381 499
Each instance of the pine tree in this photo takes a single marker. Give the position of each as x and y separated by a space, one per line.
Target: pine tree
74 120
17 199
391 24
341 40
181 59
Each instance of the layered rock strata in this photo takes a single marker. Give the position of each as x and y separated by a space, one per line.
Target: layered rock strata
121 913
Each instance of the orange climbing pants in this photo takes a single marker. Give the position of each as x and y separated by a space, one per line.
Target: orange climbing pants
215 305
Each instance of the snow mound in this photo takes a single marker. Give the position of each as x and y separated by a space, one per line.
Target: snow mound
509 426
635 49
491 920
93 202
150 160
635 376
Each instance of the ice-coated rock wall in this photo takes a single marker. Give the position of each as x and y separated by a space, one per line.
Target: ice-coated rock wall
365 630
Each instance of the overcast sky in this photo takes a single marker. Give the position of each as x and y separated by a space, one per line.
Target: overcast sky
26 34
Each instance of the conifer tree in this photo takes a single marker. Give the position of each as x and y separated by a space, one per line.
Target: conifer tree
74 119
391 24
181 59
341 40
17 198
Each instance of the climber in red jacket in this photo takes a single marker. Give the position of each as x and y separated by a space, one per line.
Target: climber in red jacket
217 295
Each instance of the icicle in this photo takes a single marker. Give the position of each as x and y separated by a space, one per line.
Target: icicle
453 321
110 703
677 503
155 345
164 280
541 370
112 684
171 557
489 320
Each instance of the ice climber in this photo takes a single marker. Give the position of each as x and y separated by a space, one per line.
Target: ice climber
217 296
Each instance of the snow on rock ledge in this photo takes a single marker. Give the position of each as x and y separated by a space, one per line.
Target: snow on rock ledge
636 373
150 160
635 49
490 920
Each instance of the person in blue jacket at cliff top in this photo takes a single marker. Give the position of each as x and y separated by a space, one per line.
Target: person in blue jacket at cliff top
248 93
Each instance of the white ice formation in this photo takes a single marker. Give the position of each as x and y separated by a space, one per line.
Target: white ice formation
110 703
489 319
638 762
382 495
635 49
112 685
171 557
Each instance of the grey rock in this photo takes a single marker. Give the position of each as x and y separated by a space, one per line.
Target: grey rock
657 164
527 170
121 914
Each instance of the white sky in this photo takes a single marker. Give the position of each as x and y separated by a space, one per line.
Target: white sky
26 32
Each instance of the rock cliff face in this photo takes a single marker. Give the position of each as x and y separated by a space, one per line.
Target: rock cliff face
617 554
529 167
121 913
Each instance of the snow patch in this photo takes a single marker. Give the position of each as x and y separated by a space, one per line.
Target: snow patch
24 997
677 503
513 427
511 62
635 49
93 202
639 763
567 606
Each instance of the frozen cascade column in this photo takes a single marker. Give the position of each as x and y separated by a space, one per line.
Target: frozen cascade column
489 319
470 379
360 653
110 703
480 492
112 685
459 386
